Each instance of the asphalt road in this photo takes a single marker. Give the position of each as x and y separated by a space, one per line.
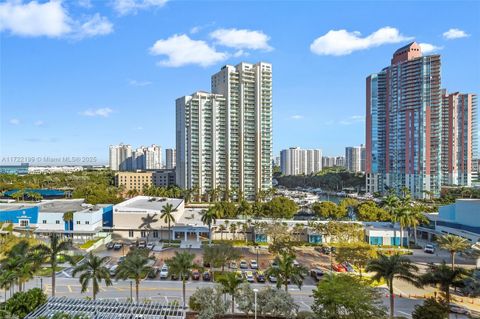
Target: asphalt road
172 290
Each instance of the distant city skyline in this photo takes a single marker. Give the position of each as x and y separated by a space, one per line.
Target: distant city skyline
102 73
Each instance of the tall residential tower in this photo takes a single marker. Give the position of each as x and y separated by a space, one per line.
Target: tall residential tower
296 161
224 138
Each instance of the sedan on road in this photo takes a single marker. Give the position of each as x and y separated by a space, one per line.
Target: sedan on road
243 264
253 264
206 276
316 273
117 246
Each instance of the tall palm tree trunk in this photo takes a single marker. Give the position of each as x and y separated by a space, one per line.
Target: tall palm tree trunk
137 286
447 295
183 288
53 281
209 234
233 303
169 233
401 237
453 259
392 300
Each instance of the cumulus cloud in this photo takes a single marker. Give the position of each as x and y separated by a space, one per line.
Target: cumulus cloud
343 42
242 39
124 7
181 50
35 19
85 3
296 117
100 112
14 121
429 48
454 33
353 119
49 19
195 29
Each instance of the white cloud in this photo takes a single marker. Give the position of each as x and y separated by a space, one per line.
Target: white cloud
343 42
95 25
103 112
14 121
124 7
49 19
353 119
181 50
455 33
35 19
242 39
296 117
138 83
139 128
429 48
39 123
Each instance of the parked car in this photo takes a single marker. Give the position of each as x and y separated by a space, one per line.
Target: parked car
150 246
110 245
243 264
233 265
195 274
260 276
348 266
253 264
206 276
249 276
153 273
338 268
174 277
142 244
272 278
113 270
429 249
132 246
316 273
117 246
274 264
454 308
164 272
206 264
121 259
333 250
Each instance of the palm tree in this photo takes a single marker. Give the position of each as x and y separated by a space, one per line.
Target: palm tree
136 266
222 228
286 271
22 262
403 217
230 283
210 216
181 265
51 253
147 222
391 203
7 280
167 216
93 269
233 230
444 277
417 218
453 244
390 268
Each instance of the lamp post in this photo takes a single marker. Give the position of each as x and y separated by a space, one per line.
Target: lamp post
255 291
257 248
131 291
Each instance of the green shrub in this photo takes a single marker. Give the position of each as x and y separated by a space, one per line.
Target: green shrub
22 303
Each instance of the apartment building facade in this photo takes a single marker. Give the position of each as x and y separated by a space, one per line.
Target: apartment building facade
297 161
224 138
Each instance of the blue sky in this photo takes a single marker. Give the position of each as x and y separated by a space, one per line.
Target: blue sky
77 76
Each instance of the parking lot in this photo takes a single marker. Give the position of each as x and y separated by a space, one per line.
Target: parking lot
306 257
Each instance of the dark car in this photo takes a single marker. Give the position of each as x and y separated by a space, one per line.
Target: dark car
195 274
206 276
260 276
316 273
206 264
117 246
153 273
110 245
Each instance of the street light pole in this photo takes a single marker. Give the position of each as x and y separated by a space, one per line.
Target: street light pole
256 248
255 291
131 291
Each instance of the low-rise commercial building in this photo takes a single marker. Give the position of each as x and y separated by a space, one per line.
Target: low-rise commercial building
68 217
143 179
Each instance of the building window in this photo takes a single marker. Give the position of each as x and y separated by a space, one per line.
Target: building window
130 233
143 234
23 223
44 221
155 234
87 222
78 222
57 222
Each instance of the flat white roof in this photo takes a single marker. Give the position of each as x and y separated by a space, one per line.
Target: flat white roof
54 206
148 203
